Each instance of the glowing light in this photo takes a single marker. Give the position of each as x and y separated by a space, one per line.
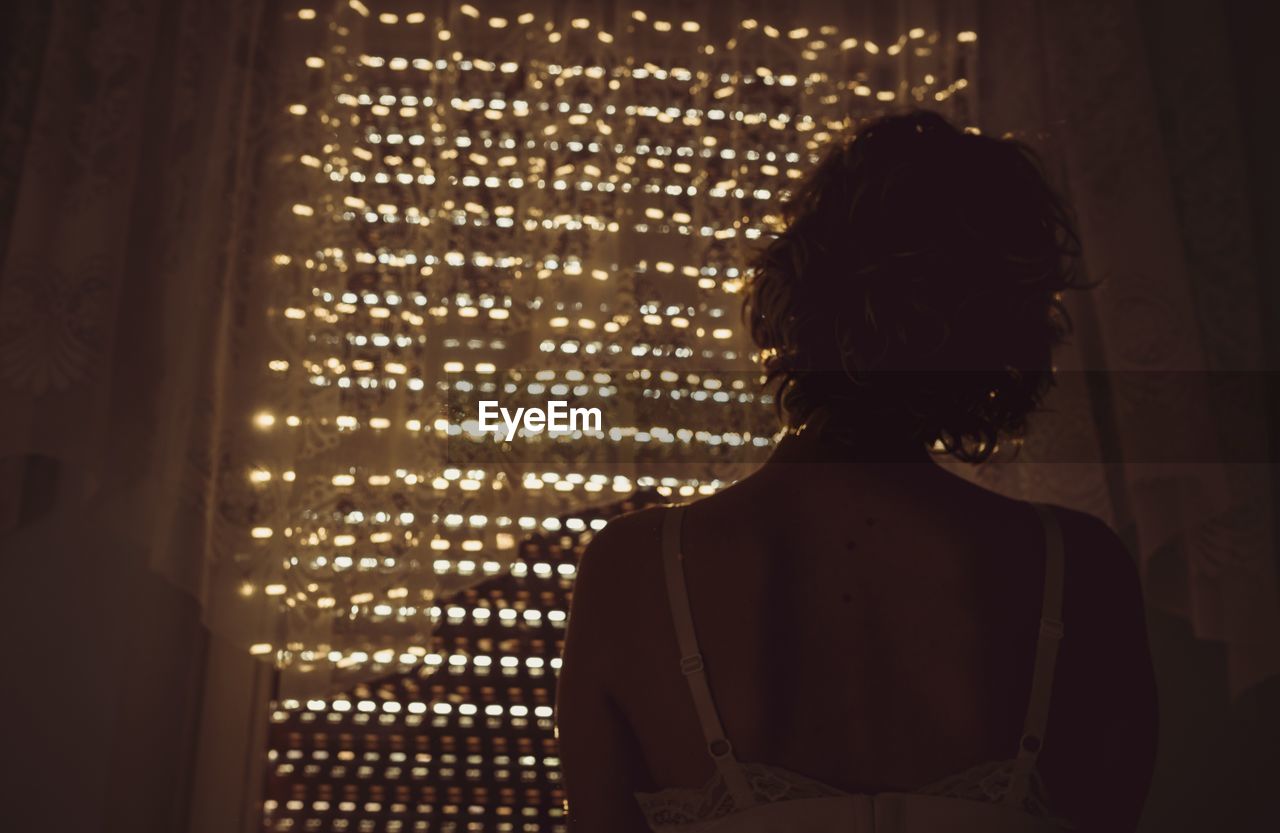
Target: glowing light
435 231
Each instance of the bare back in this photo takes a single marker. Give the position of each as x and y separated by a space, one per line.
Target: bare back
875 629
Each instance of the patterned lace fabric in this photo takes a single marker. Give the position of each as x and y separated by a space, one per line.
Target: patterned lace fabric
672 809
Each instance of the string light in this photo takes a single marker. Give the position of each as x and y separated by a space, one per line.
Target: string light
487 200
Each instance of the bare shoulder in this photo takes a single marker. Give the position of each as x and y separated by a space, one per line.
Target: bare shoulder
1099 565
1102 593
626 547
617 578
1086 527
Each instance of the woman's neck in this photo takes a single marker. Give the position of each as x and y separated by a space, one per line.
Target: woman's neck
818 441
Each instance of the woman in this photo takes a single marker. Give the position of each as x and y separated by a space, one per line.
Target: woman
852 638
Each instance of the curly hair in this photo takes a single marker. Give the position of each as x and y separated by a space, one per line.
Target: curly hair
916 287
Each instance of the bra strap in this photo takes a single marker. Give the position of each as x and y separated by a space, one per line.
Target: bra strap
692 666
1046 656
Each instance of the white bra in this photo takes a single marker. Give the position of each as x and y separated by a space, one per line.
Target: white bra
997 797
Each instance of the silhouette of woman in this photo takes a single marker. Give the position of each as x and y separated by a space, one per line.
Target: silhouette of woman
853 638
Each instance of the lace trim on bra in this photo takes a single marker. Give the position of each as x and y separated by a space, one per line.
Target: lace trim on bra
677 807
